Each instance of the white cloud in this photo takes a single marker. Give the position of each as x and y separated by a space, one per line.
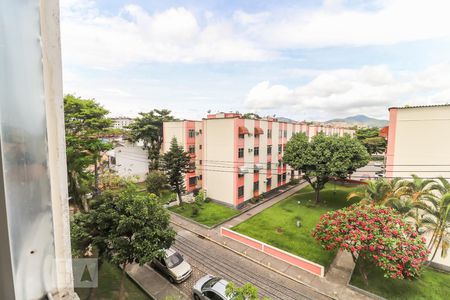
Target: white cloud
368 89
90 38
394 21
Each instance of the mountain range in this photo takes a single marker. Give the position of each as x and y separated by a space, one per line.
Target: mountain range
361 120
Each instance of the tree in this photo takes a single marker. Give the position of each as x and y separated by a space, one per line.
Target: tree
149 129
437 218
380 191
126 227
85 122
370 138
324 157
156 182
376 235
245 292
176 162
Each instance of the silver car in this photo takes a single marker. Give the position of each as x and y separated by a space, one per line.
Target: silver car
174 265
210 288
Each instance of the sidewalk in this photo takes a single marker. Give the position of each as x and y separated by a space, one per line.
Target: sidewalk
334 284
153 283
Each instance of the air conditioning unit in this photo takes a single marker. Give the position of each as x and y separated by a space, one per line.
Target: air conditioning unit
243 170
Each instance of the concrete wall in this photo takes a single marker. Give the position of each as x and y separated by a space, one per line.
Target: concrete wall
419 142
218 154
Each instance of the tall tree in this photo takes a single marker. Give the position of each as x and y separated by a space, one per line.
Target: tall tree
148 128
176 162
376 235
127 227
85 124
324 157
370 138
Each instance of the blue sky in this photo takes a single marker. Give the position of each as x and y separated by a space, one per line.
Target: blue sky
310 60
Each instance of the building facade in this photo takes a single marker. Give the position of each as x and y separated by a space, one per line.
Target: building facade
418 141
237 159
121 122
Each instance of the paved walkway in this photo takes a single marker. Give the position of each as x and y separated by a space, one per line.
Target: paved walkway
334 284
154 283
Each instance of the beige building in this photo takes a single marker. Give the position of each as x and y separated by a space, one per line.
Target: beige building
121 122
418 141
237 158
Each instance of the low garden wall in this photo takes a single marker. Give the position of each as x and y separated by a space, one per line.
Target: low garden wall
292 259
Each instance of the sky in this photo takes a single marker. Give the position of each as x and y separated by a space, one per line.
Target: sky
301 59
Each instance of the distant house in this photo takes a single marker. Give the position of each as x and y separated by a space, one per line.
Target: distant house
418 141
129 160
121 122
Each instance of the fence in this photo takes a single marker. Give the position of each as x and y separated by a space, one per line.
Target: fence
292 259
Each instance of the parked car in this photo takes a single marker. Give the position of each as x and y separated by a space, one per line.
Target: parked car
378 164
174 266
210 288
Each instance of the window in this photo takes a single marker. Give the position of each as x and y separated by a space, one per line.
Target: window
256 186
256 171
280 133
256 151
279 178
269 150
284 176
241 152
241 136
191 133
240 175
212 295
280 147
269 165
200 177
240 191
285 133
200 162
192 149
284 147
269 182
200 131
192 181
200 147
269 133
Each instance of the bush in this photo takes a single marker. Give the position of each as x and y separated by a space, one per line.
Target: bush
207 200
256 199
294 181
196 191
195 210
156 182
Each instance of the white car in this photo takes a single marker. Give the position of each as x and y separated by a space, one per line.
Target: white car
210 288
174 265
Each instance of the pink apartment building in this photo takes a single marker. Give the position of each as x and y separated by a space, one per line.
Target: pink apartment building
236 158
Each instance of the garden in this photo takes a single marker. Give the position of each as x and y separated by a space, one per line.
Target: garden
205 212
277 225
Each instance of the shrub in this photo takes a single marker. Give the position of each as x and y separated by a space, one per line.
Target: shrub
156 182
294 181
377 235
207 200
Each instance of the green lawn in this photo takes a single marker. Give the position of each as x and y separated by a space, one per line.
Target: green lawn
210 213
277 225
432 285
109 284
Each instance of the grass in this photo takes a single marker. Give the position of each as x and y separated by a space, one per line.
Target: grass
109 284
209 214
432 285
277 225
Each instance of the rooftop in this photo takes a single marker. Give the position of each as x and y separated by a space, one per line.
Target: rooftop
420 106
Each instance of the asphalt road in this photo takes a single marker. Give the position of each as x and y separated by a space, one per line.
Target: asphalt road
206 257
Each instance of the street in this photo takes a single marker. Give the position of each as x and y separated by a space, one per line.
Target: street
206 257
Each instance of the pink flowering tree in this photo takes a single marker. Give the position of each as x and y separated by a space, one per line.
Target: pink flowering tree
377 235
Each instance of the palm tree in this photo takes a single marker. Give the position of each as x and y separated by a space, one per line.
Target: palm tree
437 218
415 192
380 191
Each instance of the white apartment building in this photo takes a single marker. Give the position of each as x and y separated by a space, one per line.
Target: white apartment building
121 122
236 158
418 141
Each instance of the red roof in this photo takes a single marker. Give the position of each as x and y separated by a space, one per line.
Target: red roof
384 132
